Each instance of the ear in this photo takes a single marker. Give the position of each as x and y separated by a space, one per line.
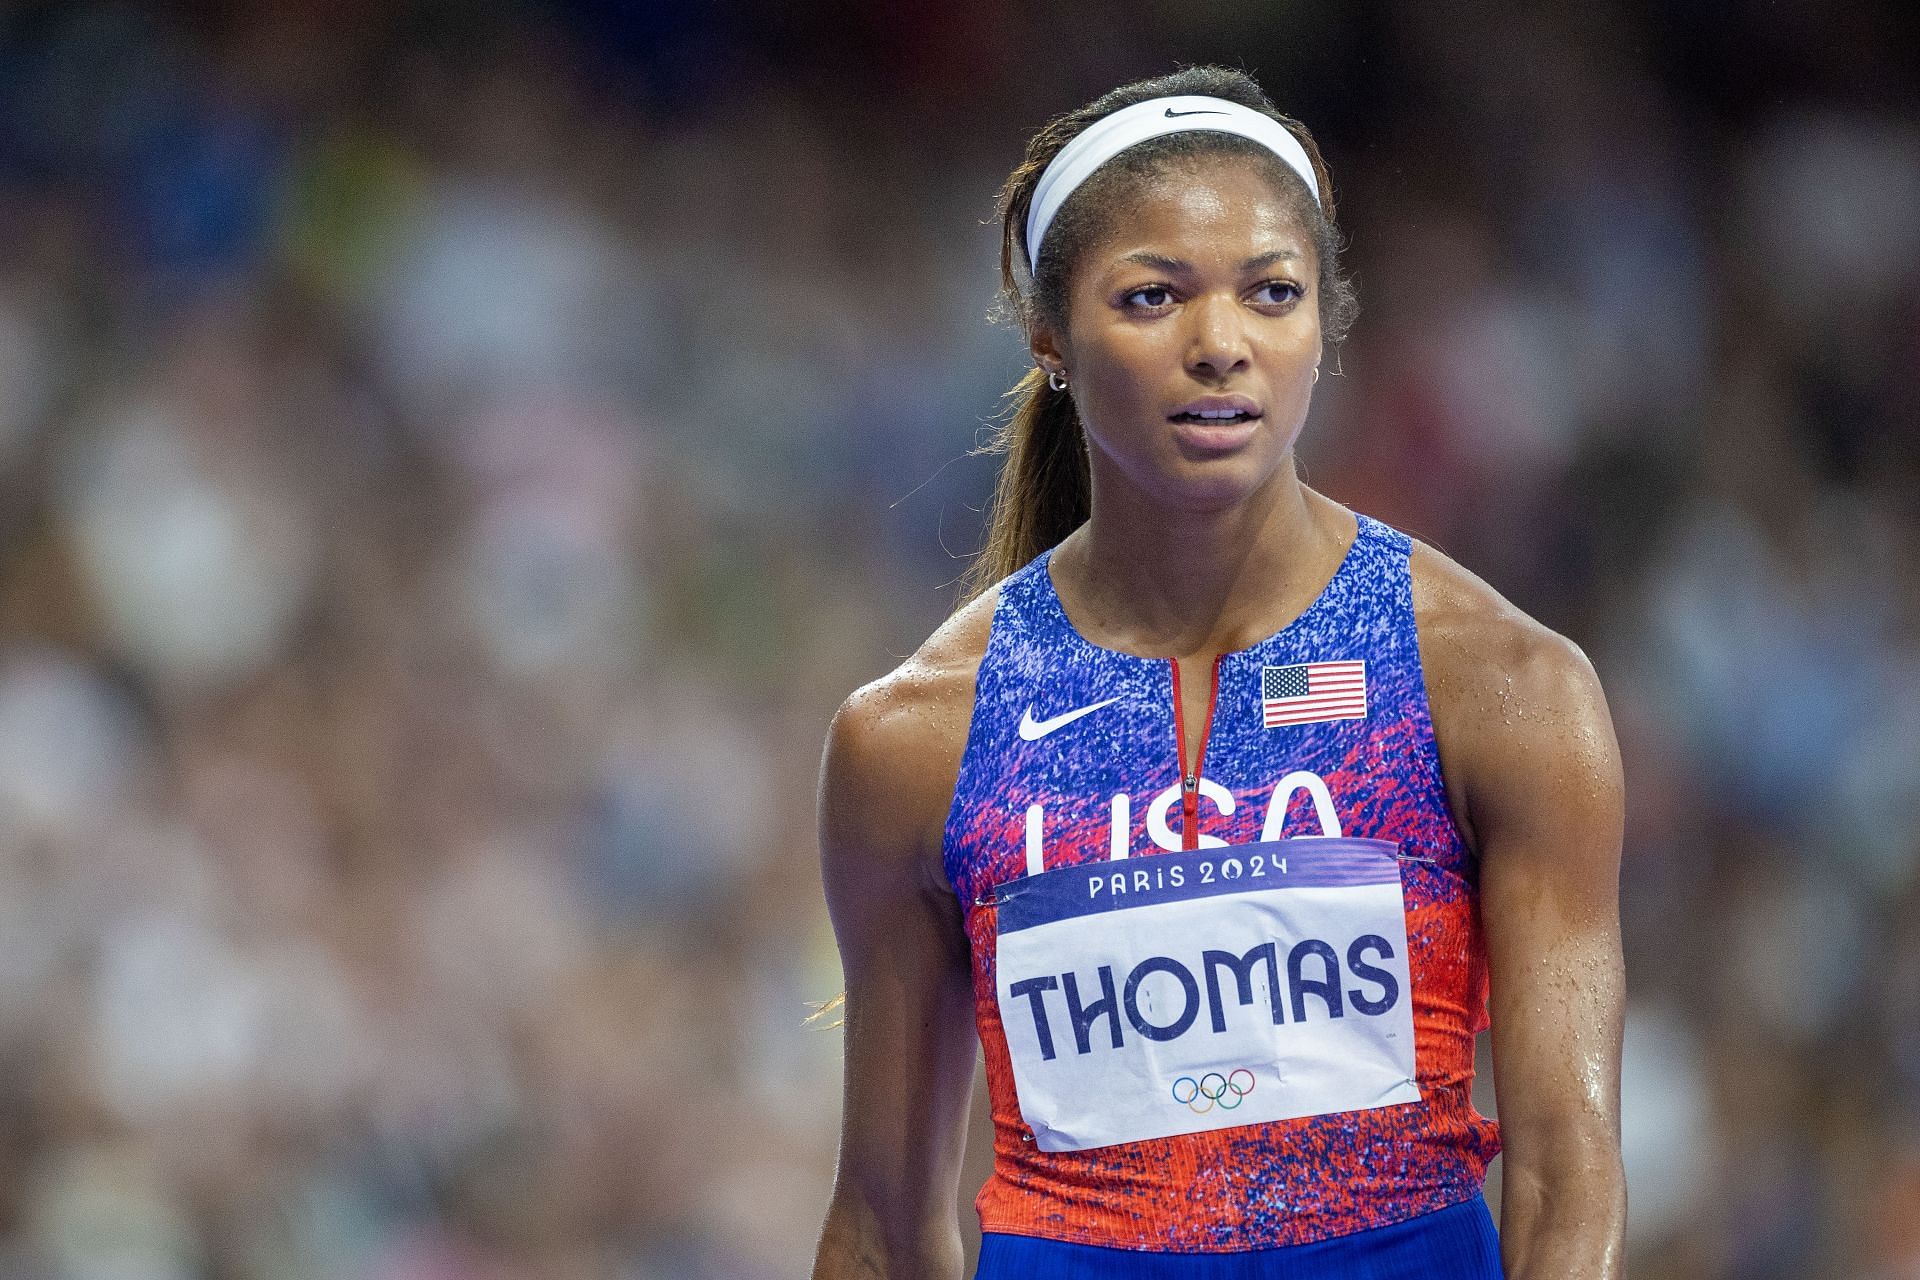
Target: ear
1048 351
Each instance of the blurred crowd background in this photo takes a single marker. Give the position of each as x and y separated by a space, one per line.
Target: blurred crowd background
454 458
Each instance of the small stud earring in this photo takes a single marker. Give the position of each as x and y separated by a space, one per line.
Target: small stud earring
1058 381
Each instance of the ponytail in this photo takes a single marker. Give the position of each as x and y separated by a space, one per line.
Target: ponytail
1044 489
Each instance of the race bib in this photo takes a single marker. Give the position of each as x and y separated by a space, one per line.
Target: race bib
1183 992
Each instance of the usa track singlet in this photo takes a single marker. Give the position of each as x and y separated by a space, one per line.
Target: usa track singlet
1227 989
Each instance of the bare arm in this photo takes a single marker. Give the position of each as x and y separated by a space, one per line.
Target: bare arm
909 1027
1532 750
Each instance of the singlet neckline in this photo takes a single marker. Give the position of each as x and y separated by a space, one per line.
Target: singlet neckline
1363 529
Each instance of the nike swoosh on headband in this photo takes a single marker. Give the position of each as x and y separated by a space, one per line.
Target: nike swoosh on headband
1106 137
1034 730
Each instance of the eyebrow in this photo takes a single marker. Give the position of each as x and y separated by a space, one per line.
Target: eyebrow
1160 262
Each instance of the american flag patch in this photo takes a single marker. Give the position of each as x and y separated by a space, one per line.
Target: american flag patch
1311 691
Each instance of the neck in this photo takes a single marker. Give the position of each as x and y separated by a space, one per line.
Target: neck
1156 581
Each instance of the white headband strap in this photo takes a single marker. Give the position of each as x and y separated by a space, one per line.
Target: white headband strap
1111 134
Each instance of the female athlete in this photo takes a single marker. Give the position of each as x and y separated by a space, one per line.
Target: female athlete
1220 812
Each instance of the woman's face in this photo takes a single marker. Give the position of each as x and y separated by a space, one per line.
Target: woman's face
1202 299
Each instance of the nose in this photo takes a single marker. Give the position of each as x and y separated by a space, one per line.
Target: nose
1217 343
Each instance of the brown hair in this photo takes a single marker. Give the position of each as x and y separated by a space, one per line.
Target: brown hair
1044 490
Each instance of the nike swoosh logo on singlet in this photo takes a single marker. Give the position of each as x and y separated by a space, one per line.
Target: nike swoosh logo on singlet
1171 113
1034 730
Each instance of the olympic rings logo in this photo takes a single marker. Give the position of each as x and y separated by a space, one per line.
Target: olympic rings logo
1213 1090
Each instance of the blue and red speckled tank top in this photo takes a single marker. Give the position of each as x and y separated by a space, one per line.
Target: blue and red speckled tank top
1217 952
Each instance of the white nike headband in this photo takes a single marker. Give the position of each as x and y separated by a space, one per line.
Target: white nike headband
1111 134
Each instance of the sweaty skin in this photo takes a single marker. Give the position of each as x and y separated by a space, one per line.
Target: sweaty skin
1192 552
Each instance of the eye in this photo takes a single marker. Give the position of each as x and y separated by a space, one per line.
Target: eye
1154 296
1279 293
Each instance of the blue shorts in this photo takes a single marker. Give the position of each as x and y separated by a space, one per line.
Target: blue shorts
1455 1243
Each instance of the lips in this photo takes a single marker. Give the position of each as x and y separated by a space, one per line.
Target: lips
1217 424
1223 410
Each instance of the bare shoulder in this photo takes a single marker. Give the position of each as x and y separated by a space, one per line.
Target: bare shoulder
1475 638
1510 697
893 750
